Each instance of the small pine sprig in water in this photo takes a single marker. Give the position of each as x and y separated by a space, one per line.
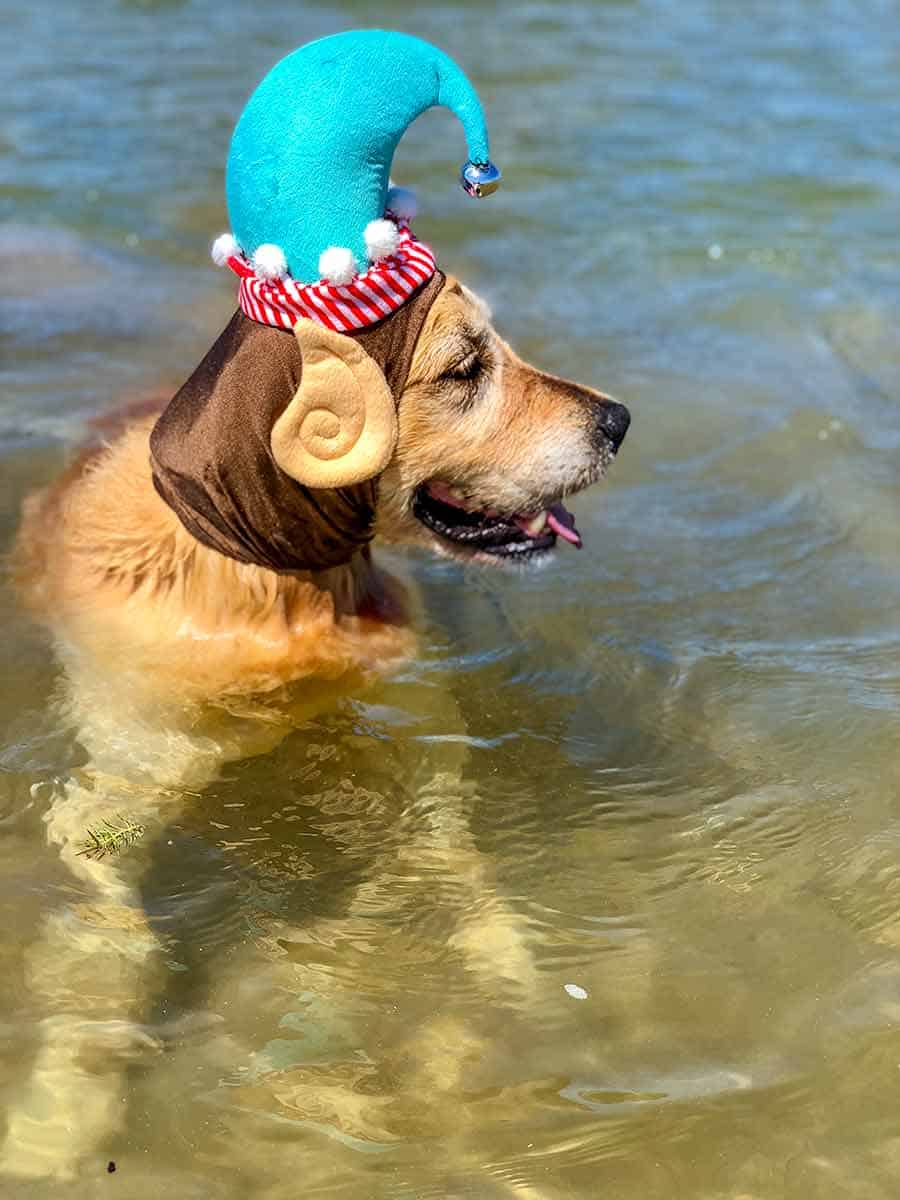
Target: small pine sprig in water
111 836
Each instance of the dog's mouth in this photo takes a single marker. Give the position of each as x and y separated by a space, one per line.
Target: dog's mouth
520 536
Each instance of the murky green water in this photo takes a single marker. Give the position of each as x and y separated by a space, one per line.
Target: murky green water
682 767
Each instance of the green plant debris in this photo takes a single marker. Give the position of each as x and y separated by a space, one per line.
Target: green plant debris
111 836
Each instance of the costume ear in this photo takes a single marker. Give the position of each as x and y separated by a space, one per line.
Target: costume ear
341 426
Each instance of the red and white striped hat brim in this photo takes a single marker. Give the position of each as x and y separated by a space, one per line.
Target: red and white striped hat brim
368 297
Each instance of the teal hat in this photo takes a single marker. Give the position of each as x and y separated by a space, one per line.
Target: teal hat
307 180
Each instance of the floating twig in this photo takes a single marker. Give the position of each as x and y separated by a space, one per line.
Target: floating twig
111 836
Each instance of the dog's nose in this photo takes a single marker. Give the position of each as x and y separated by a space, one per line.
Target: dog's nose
612 422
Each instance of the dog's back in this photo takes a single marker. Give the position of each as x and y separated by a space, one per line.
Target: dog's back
104 562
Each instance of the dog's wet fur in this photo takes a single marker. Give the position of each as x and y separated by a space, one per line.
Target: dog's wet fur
168 645
100 554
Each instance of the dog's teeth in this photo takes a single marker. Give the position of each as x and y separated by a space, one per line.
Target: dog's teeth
536 524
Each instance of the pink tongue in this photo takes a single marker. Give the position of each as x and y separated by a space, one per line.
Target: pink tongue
562 523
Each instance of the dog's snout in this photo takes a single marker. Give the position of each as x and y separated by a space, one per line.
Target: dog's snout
612 421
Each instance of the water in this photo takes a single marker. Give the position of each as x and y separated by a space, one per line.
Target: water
682 766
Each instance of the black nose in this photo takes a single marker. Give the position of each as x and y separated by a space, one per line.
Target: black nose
612 422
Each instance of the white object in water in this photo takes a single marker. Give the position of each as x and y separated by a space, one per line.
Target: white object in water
576 992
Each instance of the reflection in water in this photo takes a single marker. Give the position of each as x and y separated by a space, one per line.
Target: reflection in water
678 748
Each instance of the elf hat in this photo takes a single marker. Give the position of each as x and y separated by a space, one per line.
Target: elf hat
317 230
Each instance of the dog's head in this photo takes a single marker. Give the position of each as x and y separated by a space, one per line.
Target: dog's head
488 446
475 454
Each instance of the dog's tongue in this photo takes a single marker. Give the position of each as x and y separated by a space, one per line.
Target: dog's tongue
562 523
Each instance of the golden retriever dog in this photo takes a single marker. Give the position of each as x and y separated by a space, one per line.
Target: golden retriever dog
179 659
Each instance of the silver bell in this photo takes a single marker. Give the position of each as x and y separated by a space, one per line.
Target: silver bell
479 179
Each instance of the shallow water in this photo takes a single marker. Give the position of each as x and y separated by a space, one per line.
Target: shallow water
682 763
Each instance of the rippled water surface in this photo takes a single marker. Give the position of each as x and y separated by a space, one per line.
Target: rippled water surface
681 766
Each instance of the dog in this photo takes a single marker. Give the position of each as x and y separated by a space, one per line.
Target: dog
179 659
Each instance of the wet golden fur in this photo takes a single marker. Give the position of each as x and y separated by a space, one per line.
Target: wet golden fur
101 557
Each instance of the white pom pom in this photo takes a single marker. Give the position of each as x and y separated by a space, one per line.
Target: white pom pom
223 248
337 265
269 261
402 202
382 239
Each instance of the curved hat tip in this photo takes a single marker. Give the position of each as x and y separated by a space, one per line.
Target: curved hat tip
478 176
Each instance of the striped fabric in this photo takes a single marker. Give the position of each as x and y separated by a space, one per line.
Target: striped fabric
370 297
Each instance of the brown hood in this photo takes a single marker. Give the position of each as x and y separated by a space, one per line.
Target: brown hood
211 453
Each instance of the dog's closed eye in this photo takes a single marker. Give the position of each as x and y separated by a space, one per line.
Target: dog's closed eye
467 368
472 361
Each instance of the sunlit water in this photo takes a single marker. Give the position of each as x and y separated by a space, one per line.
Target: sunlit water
683 765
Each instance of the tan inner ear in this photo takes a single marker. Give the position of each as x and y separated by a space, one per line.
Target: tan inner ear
341 426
